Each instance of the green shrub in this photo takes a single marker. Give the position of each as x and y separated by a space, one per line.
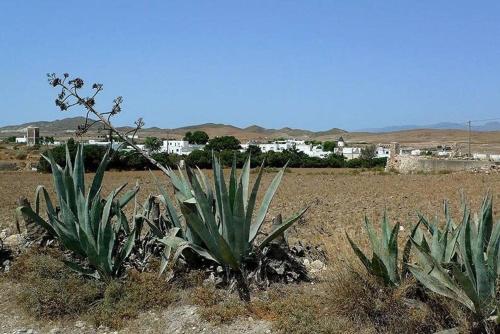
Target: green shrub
93 155
223 143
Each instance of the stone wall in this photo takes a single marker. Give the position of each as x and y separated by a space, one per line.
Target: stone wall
406 164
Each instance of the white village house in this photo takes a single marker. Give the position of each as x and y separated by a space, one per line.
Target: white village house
280 146
181 147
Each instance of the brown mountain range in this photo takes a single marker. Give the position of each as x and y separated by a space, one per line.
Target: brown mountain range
481 141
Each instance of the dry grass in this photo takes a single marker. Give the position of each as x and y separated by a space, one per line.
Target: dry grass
125 300
346 301
218 307
49 290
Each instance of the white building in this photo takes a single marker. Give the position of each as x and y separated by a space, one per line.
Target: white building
181 147
21 140
382 152
277 146
416 152
115 145
443 153
282 145
495 157
311 150
351 152
480 156
174 146
340 142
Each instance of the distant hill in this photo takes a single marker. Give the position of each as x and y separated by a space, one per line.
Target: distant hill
50 126
485 138
489 126
64 128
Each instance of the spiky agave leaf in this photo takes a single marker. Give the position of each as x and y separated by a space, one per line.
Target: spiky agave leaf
470 279
83 224
443 242
384 262
223 218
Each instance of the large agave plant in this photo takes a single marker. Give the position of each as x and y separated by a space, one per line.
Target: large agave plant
222 223
471 279
83 223
384 262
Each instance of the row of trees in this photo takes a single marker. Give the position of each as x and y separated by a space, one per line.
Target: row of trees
131 160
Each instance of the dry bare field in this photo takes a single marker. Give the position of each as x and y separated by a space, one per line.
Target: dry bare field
338 201
338 198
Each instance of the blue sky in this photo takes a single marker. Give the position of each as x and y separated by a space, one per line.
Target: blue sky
305 64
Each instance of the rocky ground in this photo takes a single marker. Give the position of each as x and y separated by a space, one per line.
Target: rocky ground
175 320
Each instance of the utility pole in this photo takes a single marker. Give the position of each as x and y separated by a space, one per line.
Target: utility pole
469 137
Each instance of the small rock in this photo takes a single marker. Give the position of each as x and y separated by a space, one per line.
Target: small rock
13 241
317 265
298 250
4 233
210 280
79 324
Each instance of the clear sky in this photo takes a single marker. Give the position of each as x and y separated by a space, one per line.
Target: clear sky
305 64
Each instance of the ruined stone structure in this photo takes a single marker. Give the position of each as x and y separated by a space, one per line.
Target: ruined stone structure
32 135
408 164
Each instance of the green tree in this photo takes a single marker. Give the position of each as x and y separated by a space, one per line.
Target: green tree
93 155
153 144
187 136
223 143
199 158
253 150
197 137
329 146
10 139
368 152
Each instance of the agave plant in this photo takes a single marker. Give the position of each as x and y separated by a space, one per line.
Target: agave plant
384 262
160 229
83 221
443 242
472 278
222 223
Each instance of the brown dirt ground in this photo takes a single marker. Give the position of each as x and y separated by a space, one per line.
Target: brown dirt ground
338 200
